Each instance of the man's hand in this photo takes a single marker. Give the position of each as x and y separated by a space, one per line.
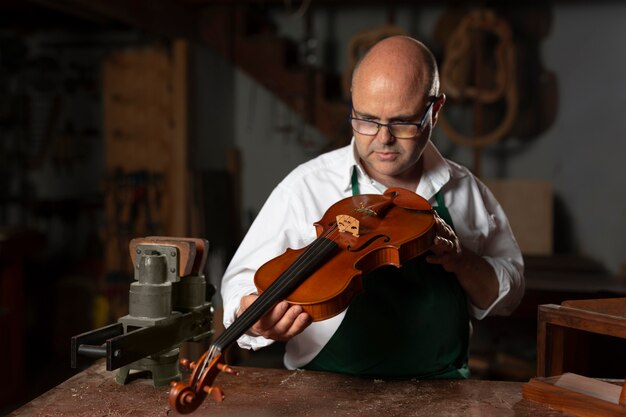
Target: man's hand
475 274
446 250
282 322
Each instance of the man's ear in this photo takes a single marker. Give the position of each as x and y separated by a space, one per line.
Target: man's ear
438 104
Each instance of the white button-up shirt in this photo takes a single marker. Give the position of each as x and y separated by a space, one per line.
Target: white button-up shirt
287 217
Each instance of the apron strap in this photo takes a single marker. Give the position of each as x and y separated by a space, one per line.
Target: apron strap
355 181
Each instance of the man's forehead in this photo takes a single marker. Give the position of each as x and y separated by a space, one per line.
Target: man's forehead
389 77
399 97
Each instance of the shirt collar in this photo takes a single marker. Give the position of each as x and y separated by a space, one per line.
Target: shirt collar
436 172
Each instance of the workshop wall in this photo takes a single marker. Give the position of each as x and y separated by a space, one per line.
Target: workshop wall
580 155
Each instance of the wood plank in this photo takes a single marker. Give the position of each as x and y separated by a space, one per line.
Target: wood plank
611 306
589 386
146 130
179 188
546 391
583 320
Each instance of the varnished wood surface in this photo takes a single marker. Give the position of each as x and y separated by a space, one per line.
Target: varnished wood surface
581 396
556 322
264 392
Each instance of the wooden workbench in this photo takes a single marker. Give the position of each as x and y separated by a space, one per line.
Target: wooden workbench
261 392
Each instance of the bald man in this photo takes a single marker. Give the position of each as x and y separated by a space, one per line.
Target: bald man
411 322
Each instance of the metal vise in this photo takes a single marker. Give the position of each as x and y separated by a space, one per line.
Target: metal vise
167 306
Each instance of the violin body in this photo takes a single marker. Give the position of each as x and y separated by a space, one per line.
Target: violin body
390 237
355 236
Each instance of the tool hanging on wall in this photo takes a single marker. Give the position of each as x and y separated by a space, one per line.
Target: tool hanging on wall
361 42
168 305
469 74
134 207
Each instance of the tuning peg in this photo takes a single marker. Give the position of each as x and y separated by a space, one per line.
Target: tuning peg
226 369
215 392
187 364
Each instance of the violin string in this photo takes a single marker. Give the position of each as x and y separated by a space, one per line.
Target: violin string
286 278
239 327
213 351
283 281
318 247
321 244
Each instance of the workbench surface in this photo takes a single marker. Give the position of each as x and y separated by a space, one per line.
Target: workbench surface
262 392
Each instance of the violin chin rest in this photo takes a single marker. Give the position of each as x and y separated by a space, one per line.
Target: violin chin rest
407 199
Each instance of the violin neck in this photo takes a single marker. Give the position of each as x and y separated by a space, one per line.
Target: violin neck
285 284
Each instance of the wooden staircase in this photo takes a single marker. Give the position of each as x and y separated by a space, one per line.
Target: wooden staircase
240 32
274 62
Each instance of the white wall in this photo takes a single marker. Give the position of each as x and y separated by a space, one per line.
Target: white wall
272 140
584 152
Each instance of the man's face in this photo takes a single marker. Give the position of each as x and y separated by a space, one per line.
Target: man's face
385 100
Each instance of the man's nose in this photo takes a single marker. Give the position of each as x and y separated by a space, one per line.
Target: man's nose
384 135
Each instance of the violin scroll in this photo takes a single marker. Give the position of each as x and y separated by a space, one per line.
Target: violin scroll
186 398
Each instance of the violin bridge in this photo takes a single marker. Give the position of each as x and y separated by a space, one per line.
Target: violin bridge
348 224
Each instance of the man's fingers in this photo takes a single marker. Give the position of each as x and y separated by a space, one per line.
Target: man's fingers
442 246
282 322
270 318
280 317
300 323
293 322
444 228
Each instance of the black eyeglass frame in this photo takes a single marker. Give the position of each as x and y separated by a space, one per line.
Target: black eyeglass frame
419 125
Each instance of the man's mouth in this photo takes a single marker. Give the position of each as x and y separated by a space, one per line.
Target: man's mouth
386 156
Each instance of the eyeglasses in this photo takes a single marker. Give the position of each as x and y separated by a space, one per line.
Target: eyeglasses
399 130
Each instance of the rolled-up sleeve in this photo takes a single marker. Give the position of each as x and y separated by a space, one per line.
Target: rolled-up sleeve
484 228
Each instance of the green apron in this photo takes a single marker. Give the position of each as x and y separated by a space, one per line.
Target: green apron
409 322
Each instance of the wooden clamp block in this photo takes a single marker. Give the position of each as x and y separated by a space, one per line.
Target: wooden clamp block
192 252
201 250
577 395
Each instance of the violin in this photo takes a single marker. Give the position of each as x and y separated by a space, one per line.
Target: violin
355 236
